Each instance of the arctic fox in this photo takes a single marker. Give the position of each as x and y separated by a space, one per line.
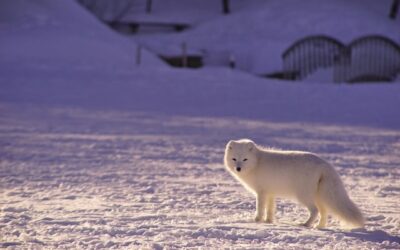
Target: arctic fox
312 181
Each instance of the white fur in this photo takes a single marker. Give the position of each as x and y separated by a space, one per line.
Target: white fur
301 175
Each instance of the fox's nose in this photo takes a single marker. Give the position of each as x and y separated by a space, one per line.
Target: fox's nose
238 169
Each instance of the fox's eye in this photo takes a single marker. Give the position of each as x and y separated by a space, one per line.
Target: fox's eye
245 159
234 159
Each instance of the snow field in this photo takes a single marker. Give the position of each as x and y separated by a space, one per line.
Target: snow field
76 178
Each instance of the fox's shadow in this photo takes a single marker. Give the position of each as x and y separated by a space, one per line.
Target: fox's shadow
378 236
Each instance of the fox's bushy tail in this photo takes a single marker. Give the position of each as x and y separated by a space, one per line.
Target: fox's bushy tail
334 196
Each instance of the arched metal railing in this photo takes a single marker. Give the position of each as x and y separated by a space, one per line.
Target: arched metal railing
371 58
310 53
368 58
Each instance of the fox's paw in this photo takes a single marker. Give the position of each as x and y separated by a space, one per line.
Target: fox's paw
305 225
269 220
258 218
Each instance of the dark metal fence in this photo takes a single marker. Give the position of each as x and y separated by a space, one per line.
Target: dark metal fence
368 58
310 53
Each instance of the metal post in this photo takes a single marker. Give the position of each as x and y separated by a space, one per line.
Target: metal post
232 61
394 9
184 55
225 7
149 6
138 55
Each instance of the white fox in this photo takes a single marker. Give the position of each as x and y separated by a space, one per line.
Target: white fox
268 173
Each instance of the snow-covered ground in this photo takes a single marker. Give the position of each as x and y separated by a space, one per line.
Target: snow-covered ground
98 153
80 178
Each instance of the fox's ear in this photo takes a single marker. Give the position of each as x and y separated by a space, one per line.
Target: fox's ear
250 146
229 145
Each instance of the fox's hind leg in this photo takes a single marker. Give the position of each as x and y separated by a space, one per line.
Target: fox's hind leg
313 215
323 214
312 208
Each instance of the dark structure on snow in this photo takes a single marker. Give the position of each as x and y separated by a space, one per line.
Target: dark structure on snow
365 59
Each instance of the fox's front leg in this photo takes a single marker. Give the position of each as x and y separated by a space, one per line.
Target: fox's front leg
260 206
271 209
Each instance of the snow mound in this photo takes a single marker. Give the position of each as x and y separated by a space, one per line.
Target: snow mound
49 33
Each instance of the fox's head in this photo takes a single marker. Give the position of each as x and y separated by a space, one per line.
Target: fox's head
240 156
